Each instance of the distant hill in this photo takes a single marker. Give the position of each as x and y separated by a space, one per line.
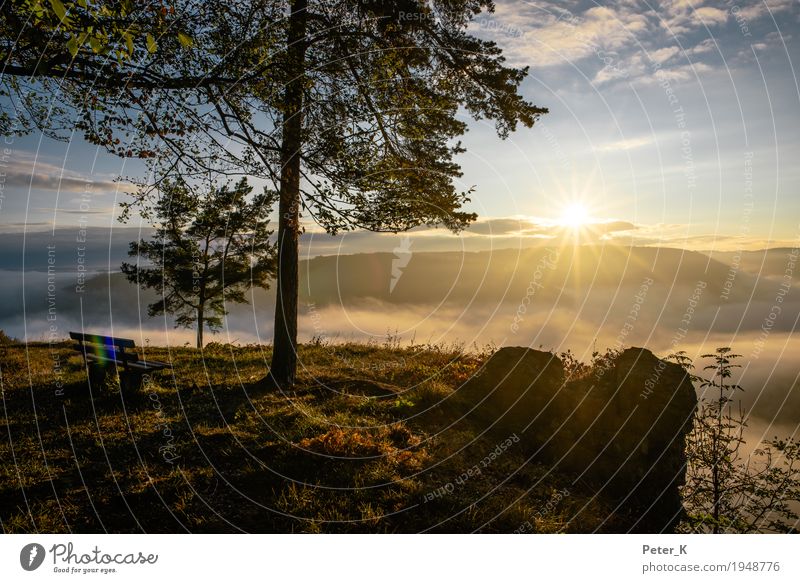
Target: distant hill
506 274
588 280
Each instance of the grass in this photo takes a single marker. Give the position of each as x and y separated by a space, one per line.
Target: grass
369 440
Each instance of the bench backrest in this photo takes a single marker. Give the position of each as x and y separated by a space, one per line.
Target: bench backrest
102 340
106 347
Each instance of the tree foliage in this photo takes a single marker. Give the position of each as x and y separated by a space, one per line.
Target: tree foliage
726 490
352 109
208 250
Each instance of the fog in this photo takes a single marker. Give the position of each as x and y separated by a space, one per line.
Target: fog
583 299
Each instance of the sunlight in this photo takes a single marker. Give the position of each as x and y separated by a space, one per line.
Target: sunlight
575 216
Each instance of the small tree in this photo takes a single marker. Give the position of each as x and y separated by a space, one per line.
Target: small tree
209 248
726 491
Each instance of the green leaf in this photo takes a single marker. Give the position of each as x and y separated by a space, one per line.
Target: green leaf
59 9
129 43
73 46
151 43
185 39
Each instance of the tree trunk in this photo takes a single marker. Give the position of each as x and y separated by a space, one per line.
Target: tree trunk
284 356
200 324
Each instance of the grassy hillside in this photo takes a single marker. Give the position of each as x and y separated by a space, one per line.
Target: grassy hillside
370 440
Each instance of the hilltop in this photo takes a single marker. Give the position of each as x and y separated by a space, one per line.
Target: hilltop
370 440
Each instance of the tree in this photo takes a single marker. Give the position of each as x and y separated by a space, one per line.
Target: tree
370 123
726 491
208 250
351 108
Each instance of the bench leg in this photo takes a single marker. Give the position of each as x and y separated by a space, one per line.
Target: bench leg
130 381
98 375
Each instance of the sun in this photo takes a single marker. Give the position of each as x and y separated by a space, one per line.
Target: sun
575 216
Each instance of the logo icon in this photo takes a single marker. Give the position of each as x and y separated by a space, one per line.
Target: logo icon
402 255
31 556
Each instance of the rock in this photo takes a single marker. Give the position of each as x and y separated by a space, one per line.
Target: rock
620 429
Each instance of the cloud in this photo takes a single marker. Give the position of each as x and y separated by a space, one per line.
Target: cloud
30 172
681 18
703 47
527 232
623 145
549 34
746 13
622 41
99 211
506 226
664 54
38 181
615 226
674 74
680 236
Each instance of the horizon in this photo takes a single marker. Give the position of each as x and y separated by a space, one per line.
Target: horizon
447 243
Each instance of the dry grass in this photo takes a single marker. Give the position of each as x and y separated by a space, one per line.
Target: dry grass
358 445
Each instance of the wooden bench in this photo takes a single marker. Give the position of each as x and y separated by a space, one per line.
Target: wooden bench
104 354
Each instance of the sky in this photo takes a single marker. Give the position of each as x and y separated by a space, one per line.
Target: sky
673 123
671 116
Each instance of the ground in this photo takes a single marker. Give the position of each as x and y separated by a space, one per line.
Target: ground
371 439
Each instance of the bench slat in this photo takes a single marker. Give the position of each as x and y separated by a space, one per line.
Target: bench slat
106 353
137 364
102 340
95 358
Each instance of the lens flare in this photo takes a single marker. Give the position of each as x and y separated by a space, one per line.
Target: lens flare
574 216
